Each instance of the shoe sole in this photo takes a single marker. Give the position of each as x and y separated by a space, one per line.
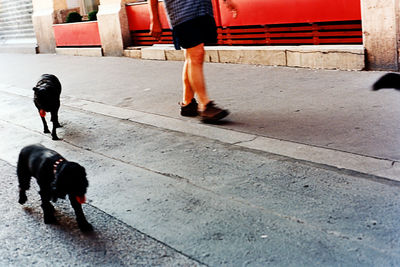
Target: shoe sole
216 118
189 114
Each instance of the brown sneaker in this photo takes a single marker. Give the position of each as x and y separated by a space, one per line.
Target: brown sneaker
190 110
212 113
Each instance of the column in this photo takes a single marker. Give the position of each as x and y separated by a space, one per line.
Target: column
113 27
380 23
43 18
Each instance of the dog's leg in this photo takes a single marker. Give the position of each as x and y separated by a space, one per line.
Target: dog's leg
54 133
48 209
80 217
54 119
45 127
24 179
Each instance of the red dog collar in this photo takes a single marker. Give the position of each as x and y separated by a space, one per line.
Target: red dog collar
42 113
55 165
80 199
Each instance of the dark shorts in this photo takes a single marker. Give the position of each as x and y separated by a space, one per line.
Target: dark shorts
194 32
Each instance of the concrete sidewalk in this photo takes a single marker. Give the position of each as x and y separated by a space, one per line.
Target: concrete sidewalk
328 117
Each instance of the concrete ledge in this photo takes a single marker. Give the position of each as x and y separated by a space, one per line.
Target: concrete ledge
327 57
81 51
154 53
341 57
133 53
176 55
212 56
269 57
18 49
20 46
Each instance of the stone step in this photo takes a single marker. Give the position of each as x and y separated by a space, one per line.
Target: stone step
16 22
7 4
13 6
342 57
25 27
14 15
17 36
21 10
17 31
19 48
14 27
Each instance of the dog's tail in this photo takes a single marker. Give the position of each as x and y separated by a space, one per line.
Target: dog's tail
389 80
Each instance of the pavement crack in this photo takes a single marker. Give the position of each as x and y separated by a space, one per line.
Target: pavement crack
245 141
173 176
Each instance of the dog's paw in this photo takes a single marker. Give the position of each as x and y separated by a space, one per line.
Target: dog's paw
50 219
55 138
85 227
22 199
46 131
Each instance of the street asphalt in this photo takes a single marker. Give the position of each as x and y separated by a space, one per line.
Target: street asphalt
167 191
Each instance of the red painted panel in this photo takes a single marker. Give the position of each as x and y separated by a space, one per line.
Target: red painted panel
139 16
260 12
77 34
267 22
217 13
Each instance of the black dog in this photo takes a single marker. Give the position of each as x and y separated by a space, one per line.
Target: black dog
47 99
389 80
56 177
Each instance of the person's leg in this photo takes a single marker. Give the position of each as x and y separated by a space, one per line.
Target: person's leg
194 59
192 37
188 93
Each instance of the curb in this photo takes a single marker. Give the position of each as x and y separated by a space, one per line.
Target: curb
384 168
334 57
341 57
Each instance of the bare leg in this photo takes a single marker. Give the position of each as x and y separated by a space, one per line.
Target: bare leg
194 59
188 93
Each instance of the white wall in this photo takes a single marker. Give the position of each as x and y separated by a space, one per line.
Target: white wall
73 3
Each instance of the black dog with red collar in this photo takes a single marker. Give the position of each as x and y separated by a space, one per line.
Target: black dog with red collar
46 98
56 178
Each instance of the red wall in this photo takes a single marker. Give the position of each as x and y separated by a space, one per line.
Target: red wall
77 34
139 16
261 12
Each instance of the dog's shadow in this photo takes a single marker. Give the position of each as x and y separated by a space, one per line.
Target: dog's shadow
66 220
72 131
110 243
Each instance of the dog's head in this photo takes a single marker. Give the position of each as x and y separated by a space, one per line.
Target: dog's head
70 180
40 94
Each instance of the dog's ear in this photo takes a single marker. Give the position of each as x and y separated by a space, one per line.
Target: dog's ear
35 89
71 179
59 185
